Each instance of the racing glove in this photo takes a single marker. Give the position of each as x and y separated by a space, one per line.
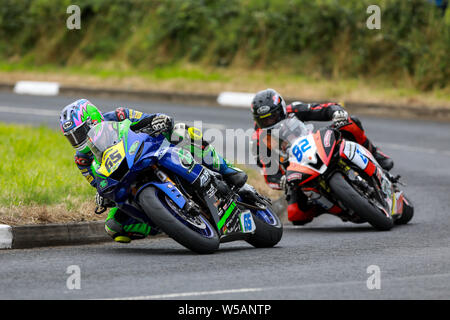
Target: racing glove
283 184
161 123
340 118
102 203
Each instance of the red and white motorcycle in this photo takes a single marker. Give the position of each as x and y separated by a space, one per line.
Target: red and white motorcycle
340 176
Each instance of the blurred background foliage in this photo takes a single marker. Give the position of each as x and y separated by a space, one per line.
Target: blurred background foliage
320 39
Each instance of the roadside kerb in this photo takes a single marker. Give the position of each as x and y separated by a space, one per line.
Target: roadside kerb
44 235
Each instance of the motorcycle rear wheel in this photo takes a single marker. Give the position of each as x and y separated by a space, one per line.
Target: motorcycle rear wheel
268 233
408 213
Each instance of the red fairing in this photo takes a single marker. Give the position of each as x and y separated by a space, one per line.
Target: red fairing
306 173
370 169
325 143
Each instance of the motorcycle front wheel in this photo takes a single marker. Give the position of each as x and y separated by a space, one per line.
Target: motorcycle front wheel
354 201
195 233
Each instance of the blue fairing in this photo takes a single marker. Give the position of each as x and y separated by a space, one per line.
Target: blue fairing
169 189
143 151
148 144
265 215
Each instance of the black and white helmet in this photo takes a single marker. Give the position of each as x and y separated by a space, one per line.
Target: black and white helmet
268 108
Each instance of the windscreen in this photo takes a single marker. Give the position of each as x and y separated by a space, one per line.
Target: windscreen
287 131
279 139
101 137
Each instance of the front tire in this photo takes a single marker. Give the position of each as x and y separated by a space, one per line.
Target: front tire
269 229
164 215
357 203
408 213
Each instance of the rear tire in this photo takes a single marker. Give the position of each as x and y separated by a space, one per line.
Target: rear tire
266 235
174 228
360 205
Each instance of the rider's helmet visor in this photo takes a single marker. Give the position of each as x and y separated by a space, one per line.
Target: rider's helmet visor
78 135
268 120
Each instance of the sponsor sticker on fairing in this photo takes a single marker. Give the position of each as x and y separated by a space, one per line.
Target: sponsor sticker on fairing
294 176
246 222
211 192
274 186
103 184
133 148
204 178
326 139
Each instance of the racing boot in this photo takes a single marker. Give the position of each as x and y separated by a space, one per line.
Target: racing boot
122 228
233 176
354 131
191 139
383 160
208 183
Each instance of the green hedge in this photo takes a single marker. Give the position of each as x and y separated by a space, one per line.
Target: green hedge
327 38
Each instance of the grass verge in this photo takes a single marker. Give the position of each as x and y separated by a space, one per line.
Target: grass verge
40 182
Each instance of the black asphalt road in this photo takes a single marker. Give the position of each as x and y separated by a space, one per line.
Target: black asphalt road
326 259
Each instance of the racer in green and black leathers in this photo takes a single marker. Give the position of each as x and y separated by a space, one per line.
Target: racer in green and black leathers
76 120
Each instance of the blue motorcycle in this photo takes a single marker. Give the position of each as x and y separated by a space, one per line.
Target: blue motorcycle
152 180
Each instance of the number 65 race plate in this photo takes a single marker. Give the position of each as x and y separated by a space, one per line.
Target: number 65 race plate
247 223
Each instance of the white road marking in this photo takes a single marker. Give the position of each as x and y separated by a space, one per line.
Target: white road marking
362 283
41 88
30 111
53 113
190 294
404 147
236 99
